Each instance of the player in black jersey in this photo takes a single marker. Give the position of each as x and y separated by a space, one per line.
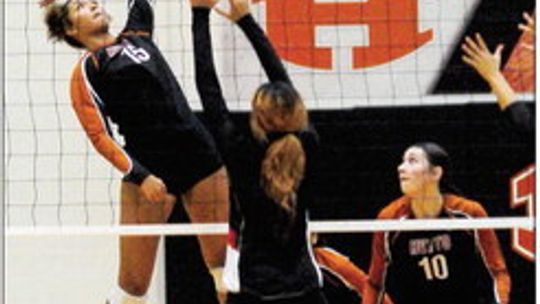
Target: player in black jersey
168 155
443 266
269 256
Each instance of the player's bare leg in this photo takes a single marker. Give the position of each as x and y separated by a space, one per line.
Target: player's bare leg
138 253
208 202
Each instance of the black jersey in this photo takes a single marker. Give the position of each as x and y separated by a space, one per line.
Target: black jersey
434 267
442 266
521 117
269 255
521 120
130 83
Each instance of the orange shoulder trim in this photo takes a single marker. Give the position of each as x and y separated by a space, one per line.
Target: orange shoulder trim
470 207
396 209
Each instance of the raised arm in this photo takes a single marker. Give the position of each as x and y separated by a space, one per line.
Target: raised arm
215 108
265 51
240 13
487 64
206 77
477 55
140 18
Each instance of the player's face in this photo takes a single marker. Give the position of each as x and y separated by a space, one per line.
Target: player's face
415 172
88 18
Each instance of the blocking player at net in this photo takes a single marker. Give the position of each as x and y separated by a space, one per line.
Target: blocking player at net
269 257
168 155
434 266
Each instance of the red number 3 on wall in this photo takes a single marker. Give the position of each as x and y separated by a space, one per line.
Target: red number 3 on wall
522 186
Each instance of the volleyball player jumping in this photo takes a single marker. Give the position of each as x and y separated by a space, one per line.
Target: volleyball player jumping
269 258
168 155
443 267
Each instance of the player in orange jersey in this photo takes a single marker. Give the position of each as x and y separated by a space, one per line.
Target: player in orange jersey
439 266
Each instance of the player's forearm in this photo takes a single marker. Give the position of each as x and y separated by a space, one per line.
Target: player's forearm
133 171
504 285
207 82
370 294
265 51
502 90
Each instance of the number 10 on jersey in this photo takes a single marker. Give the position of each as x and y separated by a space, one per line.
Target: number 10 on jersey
435 267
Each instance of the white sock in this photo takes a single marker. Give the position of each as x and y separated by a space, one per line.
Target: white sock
120 296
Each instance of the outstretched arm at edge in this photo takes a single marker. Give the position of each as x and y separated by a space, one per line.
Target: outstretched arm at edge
265 51
215 108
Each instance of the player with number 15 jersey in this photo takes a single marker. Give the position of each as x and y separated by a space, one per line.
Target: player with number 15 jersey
130 82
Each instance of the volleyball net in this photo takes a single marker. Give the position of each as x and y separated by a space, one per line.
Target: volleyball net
54 177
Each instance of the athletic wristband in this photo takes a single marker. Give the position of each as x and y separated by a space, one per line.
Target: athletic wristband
137 174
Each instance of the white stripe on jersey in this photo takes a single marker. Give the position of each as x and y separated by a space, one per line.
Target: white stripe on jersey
311 254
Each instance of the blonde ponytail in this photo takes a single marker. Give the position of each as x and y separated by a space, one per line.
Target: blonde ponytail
282 171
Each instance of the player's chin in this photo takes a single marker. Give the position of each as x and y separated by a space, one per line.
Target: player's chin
103 21
406 187
103 27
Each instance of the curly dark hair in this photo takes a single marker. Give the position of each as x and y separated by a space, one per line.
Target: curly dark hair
57 20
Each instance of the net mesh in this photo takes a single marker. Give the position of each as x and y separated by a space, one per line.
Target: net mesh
53 176
378 55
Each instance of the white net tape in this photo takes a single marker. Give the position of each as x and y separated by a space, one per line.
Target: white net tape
348 226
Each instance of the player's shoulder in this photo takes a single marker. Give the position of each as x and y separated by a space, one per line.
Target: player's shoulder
396 209
460 205
102 57
80 69
309 138
108 58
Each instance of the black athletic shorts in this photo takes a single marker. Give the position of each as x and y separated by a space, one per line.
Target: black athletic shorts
179 170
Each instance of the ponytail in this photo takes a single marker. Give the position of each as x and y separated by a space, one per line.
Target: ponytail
282 171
